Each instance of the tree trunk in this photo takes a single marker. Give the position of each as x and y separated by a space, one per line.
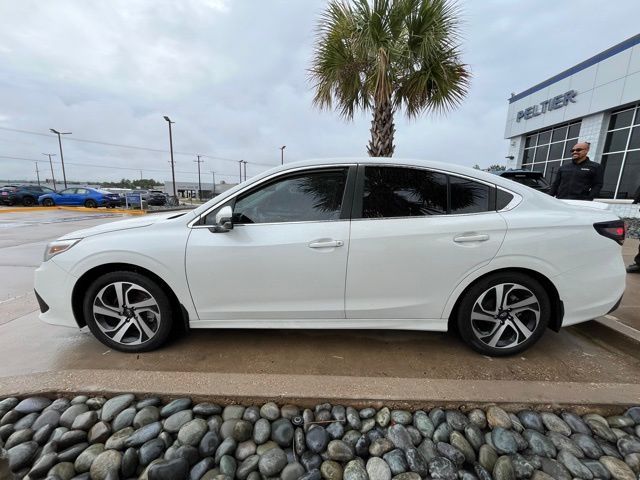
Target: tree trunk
382 131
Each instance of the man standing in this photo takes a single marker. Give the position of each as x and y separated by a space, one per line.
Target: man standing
581 179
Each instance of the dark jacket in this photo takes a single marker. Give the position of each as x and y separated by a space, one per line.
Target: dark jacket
578 181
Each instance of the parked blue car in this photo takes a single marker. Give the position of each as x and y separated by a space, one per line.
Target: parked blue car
81 197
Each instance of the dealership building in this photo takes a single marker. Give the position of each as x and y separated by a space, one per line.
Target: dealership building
596 101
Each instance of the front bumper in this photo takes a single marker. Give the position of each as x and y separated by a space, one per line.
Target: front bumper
53 287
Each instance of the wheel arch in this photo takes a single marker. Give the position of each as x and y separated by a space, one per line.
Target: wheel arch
90 275
557 306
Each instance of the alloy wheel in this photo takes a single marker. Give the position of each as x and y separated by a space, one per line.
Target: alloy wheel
505 315
126 313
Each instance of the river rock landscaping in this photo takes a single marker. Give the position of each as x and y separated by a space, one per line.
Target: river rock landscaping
124 437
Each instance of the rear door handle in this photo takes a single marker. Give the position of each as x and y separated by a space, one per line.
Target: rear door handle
326 244
477 237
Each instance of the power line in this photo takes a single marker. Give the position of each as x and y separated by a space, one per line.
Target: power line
132 147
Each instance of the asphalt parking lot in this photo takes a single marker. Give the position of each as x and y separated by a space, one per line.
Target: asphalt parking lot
586 364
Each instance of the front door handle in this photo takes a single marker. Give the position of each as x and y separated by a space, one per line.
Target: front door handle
326 244
475 237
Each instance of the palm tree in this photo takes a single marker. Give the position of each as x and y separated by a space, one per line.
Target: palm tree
388 55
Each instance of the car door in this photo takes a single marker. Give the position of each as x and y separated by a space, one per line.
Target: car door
417 235
66 196
286 256
81 196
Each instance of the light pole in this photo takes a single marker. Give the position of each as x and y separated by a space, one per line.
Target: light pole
173 173
64 175
198 161
51 164
37 173
282 154
240 166
213 188
245 169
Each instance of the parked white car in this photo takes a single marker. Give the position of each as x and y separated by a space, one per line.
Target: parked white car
344 243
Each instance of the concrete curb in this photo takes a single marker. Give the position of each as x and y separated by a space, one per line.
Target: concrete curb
612 323
307 390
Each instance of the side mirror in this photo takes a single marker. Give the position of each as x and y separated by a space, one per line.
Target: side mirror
224 220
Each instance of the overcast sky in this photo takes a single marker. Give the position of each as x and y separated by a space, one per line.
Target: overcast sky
232 74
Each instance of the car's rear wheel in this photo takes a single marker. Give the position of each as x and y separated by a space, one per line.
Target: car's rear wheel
28 201
504 313
48 202
90 203
128 312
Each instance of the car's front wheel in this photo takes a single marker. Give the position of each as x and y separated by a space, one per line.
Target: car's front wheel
48 202
504 313
128 312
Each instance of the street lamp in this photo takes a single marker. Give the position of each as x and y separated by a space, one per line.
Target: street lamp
213 188
38 173
240 167
51 164
282 154
198 161
64 175
245 169
173 173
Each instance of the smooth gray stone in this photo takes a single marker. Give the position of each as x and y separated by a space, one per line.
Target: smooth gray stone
428 449
608 448
9 403
633 460
251 414
48 417
43 465
18 437
317 439
242 431
597 469
331 470
124 419
174 423
459 441
299 444
450 452
517 424
85 420
202 467
226 429
361 446
118 439
115 405
233 412
289 411
424 424
574 465
149 451
57 434
99 433
367 425
474 435
633 412
380 446
270 411
397 461
531 420
291 471
32 404
522 467
227 447
399 437
69 415
26 422
207 409
169 470
244 450
129 462
441 468
352 437
335 430
175 406
628 444
43 434
403 417
143 435
311 475
310 461
189 453
85 459
487 457
79 399
503 469
109 460
565 443
148 402
209 444
555 469
481 472
456 420
228 466
265 447
497 417
366 413
353 418
339 451
478 418
602 430
261 431
417 462
6 431
383 417
96 403
71 454
72 437
10 417
437 416
442 433
576 423
620 421
504 441
282 432
192 432
145 416
272 462
540 444
354 470
588 445
63 471
618 469
554 423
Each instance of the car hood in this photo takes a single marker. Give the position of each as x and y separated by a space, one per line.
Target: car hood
142 221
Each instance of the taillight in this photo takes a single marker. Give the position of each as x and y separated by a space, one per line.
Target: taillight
614 230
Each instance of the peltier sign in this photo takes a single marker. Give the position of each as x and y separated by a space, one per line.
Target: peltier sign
554 103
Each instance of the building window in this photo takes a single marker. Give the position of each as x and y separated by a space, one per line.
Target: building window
621 154
545 151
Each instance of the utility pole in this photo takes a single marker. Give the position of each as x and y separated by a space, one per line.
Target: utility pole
199 184
64 175
245 169
282 154
38 173
51 164
213 188
240 165
140 174
173 173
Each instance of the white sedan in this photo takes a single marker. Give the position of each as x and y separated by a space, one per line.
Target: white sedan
345 243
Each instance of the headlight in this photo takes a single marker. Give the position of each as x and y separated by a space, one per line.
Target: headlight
59 246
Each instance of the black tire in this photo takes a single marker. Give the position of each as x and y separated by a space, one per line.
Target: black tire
28 201
515 331
48 202
90 203
102 293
